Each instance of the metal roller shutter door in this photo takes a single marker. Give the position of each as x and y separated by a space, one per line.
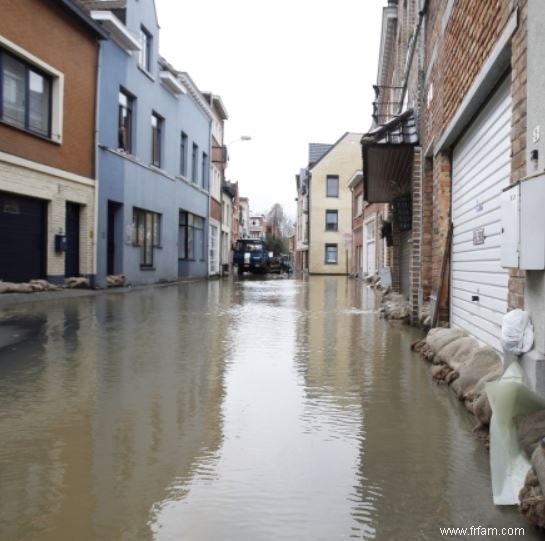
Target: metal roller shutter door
22 230
481 169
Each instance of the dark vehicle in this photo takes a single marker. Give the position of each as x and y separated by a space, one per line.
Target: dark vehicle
251 255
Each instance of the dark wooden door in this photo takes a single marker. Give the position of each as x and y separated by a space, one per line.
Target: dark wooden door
112 209
71 257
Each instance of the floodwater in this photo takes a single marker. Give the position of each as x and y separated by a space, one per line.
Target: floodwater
245 410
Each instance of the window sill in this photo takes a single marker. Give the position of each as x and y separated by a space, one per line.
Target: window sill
146 73
33 134
146 268
157 167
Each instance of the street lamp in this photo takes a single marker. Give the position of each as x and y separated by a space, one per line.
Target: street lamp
241 138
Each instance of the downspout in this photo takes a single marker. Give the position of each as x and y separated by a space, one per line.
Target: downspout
94 250
208 175
412 47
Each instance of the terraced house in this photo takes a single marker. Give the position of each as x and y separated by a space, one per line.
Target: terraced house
49 54
154 154
457 155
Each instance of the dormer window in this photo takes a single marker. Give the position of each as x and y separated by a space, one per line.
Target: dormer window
145 52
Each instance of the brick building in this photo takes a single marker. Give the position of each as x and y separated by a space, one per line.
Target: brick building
49 59
459 108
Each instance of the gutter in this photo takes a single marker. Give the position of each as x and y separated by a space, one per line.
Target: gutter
84 17
94 250
421 14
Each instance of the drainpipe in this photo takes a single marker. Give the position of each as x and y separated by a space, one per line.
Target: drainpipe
94 255
412 47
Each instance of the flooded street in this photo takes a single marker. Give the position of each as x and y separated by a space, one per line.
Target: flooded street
258 410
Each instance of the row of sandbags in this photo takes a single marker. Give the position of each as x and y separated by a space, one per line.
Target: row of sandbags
76 282
27 287
460 362
531 431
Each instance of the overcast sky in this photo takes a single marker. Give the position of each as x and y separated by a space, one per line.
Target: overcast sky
289 72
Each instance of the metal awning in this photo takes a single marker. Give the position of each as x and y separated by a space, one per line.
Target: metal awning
387 153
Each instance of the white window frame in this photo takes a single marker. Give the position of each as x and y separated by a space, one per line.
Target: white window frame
57 85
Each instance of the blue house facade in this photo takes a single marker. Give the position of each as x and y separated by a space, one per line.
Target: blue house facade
154 154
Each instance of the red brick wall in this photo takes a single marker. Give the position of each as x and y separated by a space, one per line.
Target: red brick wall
59 39
518 131
461 51
215 209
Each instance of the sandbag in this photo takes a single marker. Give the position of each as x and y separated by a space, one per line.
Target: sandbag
517 332
482 409
458 351
531 500
438 338
479 389
538 463
483 361
530 430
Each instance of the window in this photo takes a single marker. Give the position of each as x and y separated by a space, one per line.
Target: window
331 220
26 96
145 51
147 227
125 121
213 248
156 136
183 155
331 254
332 189
204 172
359 204
191 237
194 162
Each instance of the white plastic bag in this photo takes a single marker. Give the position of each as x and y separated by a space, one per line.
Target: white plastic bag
517 332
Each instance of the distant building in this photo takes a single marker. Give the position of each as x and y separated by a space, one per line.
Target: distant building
368 246
315 152
330 207
244 218
258 226
217 177
229 197
49 55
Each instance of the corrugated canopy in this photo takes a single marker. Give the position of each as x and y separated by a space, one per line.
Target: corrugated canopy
387 153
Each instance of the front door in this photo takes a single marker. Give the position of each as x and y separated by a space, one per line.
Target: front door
71 257
111 234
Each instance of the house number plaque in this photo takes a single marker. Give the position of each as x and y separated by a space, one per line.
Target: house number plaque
478 236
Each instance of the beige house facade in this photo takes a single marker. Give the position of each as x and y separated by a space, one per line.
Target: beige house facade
330 207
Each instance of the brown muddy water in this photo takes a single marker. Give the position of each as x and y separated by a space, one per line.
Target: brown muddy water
251 410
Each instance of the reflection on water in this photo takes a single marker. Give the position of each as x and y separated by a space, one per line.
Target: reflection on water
274 409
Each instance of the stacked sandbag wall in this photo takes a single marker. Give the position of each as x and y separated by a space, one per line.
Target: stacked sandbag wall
465 366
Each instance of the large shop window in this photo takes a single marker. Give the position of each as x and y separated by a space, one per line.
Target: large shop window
191 237
147 227
25 95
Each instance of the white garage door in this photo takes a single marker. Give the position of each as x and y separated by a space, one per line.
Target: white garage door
481 168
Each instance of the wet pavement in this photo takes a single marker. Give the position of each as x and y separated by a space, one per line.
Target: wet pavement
244 410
